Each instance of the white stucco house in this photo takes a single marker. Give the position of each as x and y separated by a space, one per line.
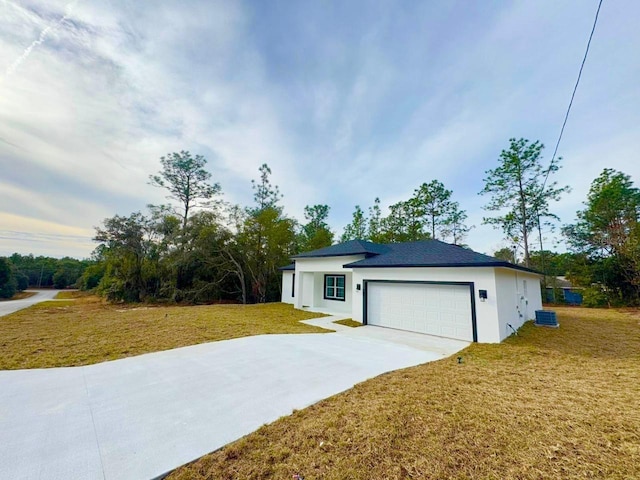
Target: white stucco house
427 286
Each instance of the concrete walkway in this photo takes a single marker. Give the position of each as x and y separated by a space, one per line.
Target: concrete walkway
11 306
140 417
444 347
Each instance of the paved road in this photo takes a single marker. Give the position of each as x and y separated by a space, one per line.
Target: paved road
11 306
139 417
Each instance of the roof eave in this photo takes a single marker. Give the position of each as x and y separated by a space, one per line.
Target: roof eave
449 265
302 256
521 268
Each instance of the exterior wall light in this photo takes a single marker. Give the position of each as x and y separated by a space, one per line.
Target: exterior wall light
483 295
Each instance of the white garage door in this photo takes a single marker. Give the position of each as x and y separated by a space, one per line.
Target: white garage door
443 310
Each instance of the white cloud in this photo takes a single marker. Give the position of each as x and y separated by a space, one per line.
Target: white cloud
102 100
47 238
359 103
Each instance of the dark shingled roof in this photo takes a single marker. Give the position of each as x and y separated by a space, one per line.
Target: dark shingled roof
431 253
291 266
423 253
352 247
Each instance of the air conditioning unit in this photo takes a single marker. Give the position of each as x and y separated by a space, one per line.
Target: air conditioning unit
546 318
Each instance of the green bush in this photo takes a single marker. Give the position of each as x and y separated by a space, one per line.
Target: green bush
8 284
23 281
558 294
91 277
60 279
594 297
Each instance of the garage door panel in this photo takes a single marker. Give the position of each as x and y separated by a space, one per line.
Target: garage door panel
443 310
448 331
421 324
461 320
408 324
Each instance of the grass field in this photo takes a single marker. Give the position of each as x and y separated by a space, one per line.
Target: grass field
549 403
83 329
347 322
71 294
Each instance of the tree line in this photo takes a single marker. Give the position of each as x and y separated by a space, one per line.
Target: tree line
19 272
199 248
603 243
431 212
606 241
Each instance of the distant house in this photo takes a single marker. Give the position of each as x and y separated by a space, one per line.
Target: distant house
427 286
562 291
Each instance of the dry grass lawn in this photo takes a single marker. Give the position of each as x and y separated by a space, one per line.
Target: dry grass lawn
87 330
549 403
347 322
71 294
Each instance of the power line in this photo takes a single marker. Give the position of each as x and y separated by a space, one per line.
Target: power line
575 88
564 124
41 237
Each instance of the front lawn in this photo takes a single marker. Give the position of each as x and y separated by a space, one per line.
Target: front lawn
348 322
86 330
549 403
71 294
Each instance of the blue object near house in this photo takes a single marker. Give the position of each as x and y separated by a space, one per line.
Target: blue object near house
568 296
572 298
546 318
549 296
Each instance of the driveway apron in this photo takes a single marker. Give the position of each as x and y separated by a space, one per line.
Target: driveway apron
11 306
140 417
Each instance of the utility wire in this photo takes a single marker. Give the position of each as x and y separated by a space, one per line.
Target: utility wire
564 124
575 88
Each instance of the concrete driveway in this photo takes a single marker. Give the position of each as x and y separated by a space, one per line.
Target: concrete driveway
11 306
140 417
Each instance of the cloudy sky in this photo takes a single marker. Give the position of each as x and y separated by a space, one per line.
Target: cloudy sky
345 101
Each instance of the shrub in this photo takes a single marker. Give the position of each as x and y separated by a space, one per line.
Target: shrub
92 276
23 281
8 282
595 296
60 279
